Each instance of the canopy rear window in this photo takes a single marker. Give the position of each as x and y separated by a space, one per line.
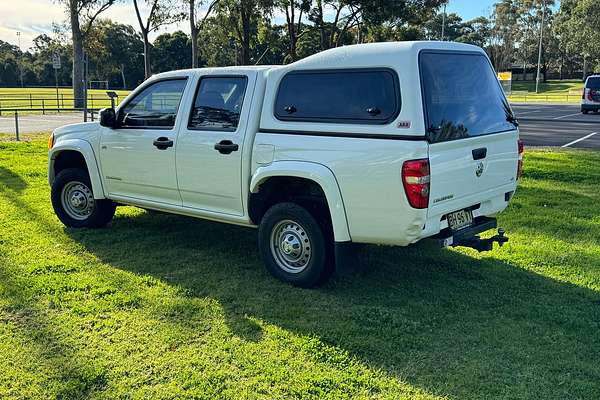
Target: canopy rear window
462 96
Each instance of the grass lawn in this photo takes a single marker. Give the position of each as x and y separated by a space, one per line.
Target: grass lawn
46 97
551 91
161 306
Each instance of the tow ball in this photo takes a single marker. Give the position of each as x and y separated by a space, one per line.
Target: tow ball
481 245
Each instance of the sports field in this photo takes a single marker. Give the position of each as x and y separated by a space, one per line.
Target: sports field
567 91
48 98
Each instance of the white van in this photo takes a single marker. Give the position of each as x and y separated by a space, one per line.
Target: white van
385 143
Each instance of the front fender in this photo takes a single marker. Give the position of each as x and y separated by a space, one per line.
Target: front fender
84 148
318 173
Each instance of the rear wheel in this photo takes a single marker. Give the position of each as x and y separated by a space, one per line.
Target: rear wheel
293 246
584 111
74 204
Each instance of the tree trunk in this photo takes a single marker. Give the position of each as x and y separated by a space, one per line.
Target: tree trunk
147 68
123 76
193 34
245 17
290 17
78 61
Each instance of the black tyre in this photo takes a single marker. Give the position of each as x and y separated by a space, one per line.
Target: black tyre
584 111
74 203
294 247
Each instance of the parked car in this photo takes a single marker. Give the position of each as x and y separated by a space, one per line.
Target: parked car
590 101
386 143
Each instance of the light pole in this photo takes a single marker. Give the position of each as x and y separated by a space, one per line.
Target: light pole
537 78
444 21
20 61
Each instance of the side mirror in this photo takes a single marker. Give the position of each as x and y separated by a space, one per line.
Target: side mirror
108 118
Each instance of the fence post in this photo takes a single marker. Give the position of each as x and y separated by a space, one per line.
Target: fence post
43 107
92 114
0 108
62 97
30 101
17 124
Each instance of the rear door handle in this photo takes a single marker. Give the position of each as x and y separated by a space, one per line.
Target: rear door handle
226 147
163 143
479 154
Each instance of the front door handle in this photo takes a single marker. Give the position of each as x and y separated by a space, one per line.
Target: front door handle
226 147
479 154
163 143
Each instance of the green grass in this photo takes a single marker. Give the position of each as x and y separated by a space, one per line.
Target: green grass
551 91
161 306
46 97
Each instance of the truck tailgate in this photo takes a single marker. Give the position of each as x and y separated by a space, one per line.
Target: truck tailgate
468 172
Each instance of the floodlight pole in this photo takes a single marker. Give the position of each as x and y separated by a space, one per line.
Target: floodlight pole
444 22
20 58
537 78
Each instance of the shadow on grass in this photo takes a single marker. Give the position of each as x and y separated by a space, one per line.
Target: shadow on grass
448 323
12 180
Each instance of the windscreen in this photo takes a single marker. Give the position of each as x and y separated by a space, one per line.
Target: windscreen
593 83
462 96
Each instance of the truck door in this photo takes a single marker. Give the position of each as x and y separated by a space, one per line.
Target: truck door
210 145
138 156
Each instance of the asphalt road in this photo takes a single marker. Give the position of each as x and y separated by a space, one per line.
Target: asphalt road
558 125
541 125
38 123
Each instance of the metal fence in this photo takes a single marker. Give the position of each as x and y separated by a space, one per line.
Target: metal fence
88 114
545 98
50 102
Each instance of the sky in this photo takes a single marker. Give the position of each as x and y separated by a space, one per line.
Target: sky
34 17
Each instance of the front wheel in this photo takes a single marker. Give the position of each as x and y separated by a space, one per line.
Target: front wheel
293 246
74 204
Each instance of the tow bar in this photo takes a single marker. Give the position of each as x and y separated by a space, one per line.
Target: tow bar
469 237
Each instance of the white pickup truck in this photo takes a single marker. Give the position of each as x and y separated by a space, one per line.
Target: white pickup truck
385 143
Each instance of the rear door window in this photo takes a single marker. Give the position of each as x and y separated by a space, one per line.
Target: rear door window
462 96
218 103
367 96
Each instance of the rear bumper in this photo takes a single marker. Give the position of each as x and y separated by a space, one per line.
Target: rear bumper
590 107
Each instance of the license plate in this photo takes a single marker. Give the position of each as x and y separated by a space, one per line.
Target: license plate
460 219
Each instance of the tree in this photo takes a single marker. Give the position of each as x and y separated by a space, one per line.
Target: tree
577 29
242 17
197 24
294 27
82 14
172 50
115 54
162 12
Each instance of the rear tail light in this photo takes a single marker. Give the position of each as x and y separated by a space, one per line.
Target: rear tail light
415 178
521 146
585 91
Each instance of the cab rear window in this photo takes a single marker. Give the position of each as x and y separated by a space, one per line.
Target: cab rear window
461 96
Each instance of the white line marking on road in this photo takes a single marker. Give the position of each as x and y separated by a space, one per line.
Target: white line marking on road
528 112
565 116
580 139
